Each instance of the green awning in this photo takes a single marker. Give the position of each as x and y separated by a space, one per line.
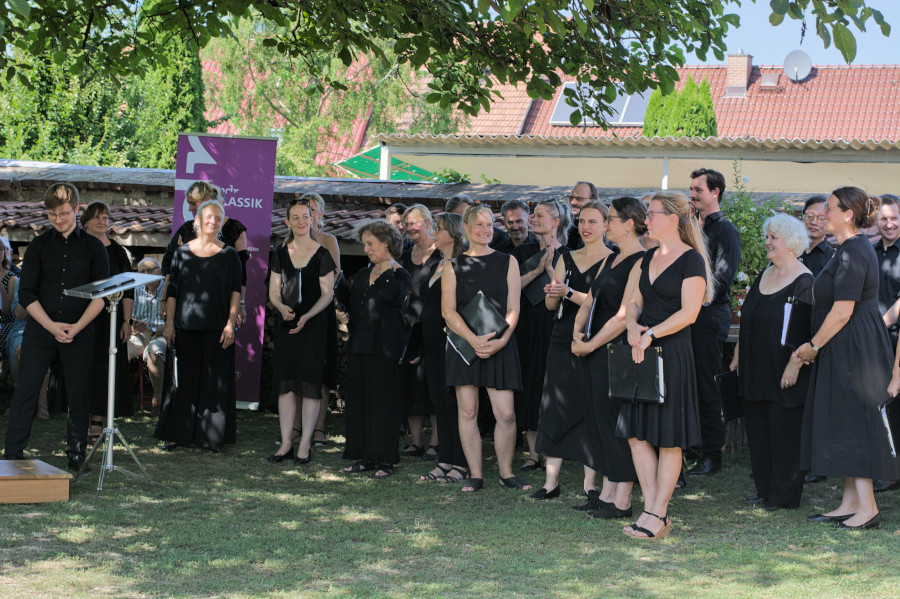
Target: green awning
366 165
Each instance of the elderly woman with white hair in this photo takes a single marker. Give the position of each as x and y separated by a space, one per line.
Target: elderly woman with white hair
772 384
202 303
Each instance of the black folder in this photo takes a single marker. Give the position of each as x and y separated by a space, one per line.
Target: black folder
727 390
638 383
291 297
482 318
534 291
342 292
796 329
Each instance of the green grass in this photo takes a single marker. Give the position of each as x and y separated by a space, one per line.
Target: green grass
234 525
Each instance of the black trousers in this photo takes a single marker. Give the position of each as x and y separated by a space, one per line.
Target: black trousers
443 400
372 408
708 335
774 436
39 349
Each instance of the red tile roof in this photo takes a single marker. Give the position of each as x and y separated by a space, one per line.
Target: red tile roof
834 102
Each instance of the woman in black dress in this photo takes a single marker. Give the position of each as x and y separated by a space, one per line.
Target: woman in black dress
496 366
850 347
302 265
772 384
550 223
561 431
95 220
601 320
418 261
377 337
675 281
232 233
202 303
450 240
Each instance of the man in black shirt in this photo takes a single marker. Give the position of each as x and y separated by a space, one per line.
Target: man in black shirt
819 251
515 215
63 257
709 332
582 193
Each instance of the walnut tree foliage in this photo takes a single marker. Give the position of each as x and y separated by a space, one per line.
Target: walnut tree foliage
466 46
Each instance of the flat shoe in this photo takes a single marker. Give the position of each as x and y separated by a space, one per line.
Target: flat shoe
169 447
543 493
514 482
824 518
874 522
278 457
432 476
610 512
383 472
357 467
300 461
530 464
427 457
412 451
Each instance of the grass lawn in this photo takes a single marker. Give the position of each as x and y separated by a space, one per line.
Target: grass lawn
234 525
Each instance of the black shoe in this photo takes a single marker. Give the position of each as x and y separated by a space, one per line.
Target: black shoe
543 493
874 522
680 483
706 465
772 508
593 502
824 518
300 461
885 485
76 461
278 457
610 512
413 451
812 478
756 499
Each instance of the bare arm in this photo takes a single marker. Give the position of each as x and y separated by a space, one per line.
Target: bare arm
275 297
326 290
890 317
837 317
692 291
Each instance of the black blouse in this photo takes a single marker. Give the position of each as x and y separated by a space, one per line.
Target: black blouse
376 313
319 265
202 287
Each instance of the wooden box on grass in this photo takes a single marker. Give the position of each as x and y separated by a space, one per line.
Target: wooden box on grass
32 481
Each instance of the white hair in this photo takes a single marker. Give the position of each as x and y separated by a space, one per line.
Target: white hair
791 229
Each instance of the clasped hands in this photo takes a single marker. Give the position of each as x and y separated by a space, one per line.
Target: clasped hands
486 346
638 341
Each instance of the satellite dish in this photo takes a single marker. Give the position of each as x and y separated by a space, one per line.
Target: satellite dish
797 65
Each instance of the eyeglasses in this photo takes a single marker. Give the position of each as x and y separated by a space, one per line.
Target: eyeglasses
299 202
649 212
815 218
829 208
59 215
581 198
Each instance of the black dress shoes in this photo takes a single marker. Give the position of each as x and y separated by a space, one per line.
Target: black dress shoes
543 493
300 461
874 522
610 512
812 478
824 518
706 465
885 485
756 499
76 461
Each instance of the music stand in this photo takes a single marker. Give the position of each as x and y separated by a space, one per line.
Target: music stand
112 289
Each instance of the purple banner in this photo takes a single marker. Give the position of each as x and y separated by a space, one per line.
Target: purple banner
244 170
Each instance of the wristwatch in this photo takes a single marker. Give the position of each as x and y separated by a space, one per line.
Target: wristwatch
569 293
131 322
652 334
814 346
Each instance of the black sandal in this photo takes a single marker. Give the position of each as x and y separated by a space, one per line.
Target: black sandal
412 451
663 532
530 464
357 467
432 476
448 478
473 485
430 456
320 442
514 482
385 470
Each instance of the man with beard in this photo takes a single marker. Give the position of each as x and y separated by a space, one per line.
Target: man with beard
516 217
582 193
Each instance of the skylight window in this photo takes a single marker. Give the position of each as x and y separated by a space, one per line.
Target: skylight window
628 110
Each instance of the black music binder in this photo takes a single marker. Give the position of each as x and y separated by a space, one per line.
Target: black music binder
638 383
482 318
534 291
796 329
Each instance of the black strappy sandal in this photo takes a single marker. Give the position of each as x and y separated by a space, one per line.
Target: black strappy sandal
663 532
432 476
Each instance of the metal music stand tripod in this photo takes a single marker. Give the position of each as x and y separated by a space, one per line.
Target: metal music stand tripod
112 289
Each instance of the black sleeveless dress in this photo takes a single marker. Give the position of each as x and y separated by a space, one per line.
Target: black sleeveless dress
299 361
561 432
416 395
675 423
611 454
488 275
533 335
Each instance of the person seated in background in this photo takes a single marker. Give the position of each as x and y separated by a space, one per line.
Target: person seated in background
7 288
147 325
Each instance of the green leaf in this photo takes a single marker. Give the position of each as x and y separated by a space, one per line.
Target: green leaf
823 33
794 11
433 98
575 118
845 42
775 19
21 7
779 6
484 6
59 57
